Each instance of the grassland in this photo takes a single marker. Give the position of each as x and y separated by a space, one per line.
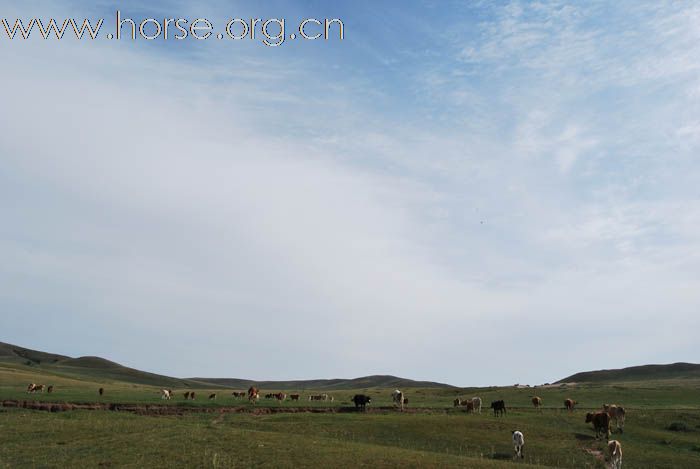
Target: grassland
431 434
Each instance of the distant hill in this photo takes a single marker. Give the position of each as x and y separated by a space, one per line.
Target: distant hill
375 381
100 369
637 373
92 368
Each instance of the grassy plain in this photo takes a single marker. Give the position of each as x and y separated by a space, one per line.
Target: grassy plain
430 434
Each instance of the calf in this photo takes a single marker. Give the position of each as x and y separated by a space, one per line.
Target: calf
31 388
49 389
518 443
569 404
615 451
212 396
499 407
617 413
294 397
601 423
537 402
361 401
166 394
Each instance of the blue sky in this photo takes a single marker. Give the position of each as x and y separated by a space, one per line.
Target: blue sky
472 192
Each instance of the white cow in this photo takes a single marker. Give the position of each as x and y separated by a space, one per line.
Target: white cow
518 443
615 450
477 404
166 394
397 397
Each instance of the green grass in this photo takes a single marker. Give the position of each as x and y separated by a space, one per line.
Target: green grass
437 435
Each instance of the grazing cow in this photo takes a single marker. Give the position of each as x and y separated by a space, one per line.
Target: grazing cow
499 407
397 398
165 394
253 394
319 397
601 423
212 396
280 396
617 413
477 404
49 389
518 443
192 395
569 404
361 401
615 451
101 391
294 397
269 395
32 388
537 402
239 394
187 395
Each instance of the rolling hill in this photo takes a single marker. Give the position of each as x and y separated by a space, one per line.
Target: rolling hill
374 381
637 373
100 369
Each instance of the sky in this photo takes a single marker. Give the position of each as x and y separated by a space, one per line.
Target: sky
477 193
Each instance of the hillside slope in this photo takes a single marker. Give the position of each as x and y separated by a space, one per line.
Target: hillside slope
375 381
637 373
88 368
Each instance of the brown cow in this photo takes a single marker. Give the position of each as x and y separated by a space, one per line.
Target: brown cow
569 404
101 391
280 396
294 397
49 389
253 394
615 451
239 394
601 423
617 413
192 395
537 402
187 395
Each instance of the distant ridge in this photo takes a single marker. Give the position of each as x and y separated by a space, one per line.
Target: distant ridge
637 373
374 381
100 369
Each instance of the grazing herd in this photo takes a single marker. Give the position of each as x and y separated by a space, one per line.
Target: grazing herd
601 419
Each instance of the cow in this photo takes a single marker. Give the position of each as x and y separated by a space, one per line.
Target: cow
499 407
280 396
537 402
192 395
361 401
269 395
601 423
166 394
469 404
397 398
238 394
477 404
615 451
617 413
320 397
101 391
187 395
518 443
212 396
253 394
457 402
32 388
39 388
294 397
49 389
569 404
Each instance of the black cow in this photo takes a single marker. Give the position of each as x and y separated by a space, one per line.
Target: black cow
361 401
499 407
